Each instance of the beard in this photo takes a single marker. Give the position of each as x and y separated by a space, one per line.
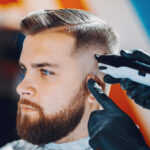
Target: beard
51 128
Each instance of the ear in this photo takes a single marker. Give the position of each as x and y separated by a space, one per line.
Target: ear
91 99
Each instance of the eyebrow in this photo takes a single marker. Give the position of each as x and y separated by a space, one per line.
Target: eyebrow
39 65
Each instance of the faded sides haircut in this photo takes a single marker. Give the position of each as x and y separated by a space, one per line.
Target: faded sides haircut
89 31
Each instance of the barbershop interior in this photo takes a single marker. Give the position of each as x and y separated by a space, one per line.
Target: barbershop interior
129 18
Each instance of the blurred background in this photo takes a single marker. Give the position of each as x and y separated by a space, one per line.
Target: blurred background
130 18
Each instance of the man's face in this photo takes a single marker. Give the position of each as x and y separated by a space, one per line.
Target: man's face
53 91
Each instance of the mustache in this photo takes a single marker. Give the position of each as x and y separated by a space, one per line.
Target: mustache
29 103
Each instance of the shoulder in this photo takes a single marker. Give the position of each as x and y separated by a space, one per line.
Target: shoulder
19 144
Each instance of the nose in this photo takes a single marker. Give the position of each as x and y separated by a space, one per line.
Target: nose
26 88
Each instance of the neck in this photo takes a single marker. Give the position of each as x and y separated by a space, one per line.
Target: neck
79 132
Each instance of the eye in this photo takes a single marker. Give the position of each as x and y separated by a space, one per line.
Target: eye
22 69
21 73
46 72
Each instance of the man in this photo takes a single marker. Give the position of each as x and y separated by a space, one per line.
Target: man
57 60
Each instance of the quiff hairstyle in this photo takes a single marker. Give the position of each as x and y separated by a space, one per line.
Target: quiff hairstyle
89 31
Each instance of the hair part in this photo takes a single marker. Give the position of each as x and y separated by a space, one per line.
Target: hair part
89 31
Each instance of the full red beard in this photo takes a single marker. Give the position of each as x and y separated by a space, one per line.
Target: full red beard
47 129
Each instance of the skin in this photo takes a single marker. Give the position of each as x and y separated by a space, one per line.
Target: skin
52 87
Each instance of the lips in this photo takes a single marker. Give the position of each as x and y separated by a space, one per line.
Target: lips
27 107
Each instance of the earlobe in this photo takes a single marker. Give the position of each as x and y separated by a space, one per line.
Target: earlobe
91 99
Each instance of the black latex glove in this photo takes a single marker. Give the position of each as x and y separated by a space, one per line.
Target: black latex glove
140 93
111 128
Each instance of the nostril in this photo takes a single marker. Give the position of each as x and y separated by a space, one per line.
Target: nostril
26 93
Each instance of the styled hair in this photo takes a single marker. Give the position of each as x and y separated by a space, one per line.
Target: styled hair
89 31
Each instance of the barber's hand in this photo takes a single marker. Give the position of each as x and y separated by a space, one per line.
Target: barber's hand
140 93
111 128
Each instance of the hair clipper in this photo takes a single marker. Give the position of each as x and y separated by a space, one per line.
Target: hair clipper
121 67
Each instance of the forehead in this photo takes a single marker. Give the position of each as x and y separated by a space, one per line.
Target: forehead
47 45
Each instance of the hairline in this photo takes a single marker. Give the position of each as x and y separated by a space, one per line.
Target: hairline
63 30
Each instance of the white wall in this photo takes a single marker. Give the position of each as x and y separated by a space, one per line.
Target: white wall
121 15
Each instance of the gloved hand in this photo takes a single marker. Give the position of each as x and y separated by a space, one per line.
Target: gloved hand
140 93
111 128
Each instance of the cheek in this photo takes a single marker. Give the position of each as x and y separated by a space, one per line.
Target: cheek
56 94
53 99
